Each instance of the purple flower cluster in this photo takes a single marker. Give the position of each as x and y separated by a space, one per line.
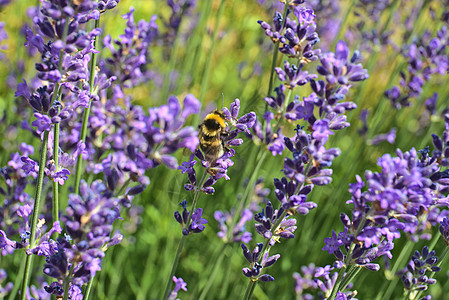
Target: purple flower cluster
239 233
327 96
444 229
17 202
218 169
3 37
407 196
255 269
317 283
65 47
180 9
130 53
298 37
190 222
389 137
266 221
123 142
77 257
414 275
426 56
4 288
324 110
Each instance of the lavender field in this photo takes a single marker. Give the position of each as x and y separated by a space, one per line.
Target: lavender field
215 149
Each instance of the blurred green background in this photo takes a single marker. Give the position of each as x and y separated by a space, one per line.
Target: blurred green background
227 54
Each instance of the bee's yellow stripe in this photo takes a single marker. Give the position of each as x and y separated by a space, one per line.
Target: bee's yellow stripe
217 118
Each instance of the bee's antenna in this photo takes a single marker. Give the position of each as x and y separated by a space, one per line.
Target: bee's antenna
222 100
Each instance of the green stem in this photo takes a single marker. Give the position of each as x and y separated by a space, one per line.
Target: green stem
353 272
249 290
67 282
93 63
36 208
89 287
409 293
183 238
55 207
342 271
124 186
174 266
205 79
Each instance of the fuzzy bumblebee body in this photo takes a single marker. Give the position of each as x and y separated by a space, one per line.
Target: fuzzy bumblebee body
210 132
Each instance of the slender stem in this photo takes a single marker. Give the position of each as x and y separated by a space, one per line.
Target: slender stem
55 206
37 203
182 241
342 271
174 266
67 283
347 261
55 200
249 290
124 186
89 287
93 63
205 80
350 276
409 293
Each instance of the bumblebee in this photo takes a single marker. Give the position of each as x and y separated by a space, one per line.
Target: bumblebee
211 130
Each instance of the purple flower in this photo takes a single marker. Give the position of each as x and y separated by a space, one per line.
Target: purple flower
198 222
3 36
426 56
4 241
218 168
42 123
300 37
332 244
254 271
179 285
339 69
293 75
444 229
239 233
130 54
413 276
389 137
